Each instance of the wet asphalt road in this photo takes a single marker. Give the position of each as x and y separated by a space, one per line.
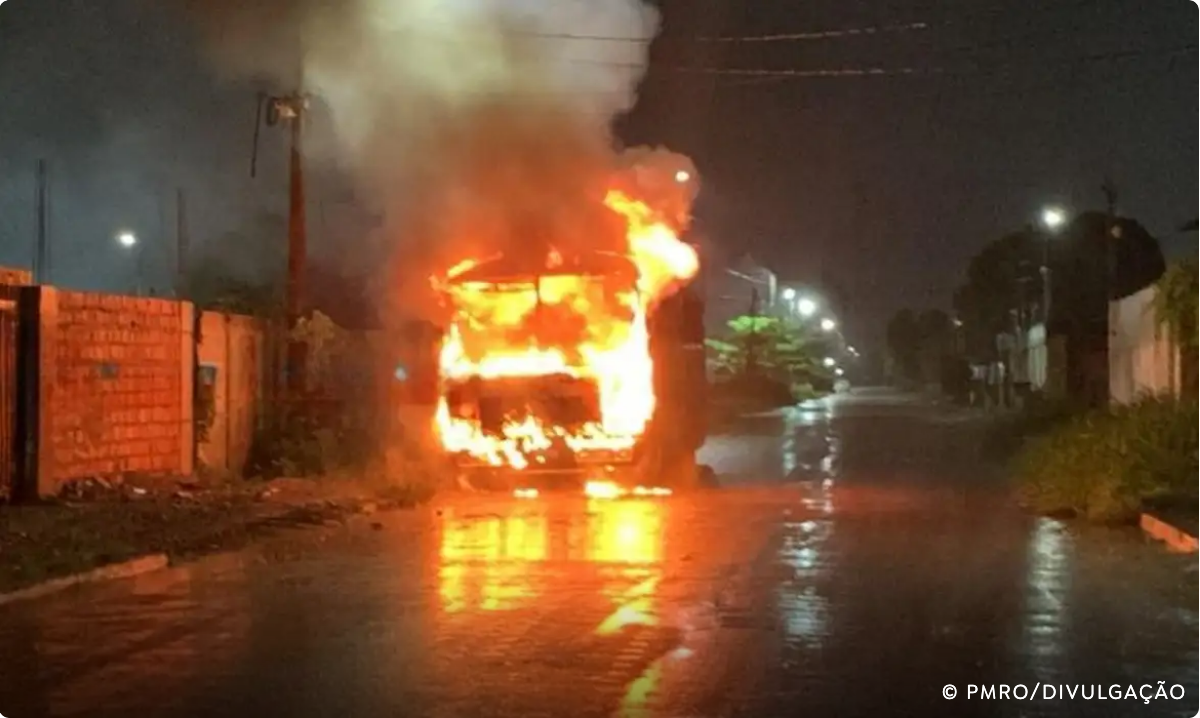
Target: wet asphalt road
859 558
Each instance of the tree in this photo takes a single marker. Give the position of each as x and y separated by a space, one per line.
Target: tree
1003 282
1001 278
936 332
770 347
1175 311
1099 259
904 343
1175 303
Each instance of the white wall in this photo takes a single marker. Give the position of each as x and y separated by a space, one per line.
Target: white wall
1141 359
232 357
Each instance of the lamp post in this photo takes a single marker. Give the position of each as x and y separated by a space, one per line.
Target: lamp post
129 241
1052 219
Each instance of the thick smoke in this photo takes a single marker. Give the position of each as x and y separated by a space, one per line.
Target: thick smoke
478 126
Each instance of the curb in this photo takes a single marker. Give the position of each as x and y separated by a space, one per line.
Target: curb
157 561
1177 540
125 569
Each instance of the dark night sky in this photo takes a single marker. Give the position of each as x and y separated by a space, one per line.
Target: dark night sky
888 183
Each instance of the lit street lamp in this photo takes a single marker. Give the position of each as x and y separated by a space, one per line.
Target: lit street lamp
682 176
789 294
830 362
806 307
828 325
128 240
1052 219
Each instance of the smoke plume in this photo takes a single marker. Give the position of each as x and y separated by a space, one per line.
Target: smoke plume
477 126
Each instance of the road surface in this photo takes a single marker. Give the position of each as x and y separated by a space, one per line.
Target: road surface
859 560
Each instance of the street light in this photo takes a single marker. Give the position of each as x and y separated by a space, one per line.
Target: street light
128 240
682 176
839 371
1053 218
789 294
830 362
806 307
828 325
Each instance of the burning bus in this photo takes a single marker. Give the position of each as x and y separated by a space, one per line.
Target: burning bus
583 365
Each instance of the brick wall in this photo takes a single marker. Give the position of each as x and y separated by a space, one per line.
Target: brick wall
115 377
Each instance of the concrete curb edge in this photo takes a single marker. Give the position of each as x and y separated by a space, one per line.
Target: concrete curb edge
153 562
1176 539
124 569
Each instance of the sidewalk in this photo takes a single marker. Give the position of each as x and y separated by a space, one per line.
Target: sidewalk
113 524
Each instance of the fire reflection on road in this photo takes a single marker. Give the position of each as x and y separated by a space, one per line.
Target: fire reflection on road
487 563
505 561
629 535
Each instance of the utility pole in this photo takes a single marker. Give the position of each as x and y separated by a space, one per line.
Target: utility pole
297 250
752 341
41 256
1112 236
291 109
181 244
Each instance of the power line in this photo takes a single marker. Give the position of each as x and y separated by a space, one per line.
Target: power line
783 73
866 31
804 35
822 34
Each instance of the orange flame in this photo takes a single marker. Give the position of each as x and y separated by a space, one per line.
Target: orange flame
574 326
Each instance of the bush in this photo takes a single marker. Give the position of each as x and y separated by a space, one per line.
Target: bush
1105 464
313 438
1037 418
804 391
754 391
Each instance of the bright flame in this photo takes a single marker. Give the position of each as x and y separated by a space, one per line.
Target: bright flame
602 490
586 332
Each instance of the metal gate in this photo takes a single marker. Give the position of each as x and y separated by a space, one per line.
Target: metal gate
11 281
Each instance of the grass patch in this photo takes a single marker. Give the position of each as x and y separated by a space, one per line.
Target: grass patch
1107 464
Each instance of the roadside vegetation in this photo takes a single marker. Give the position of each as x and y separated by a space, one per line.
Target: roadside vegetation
768 362
1106 465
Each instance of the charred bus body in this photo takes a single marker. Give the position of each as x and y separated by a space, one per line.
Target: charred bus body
575 441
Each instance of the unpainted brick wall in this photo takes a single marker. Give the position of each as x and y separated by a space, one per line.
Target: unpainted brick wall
116 387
